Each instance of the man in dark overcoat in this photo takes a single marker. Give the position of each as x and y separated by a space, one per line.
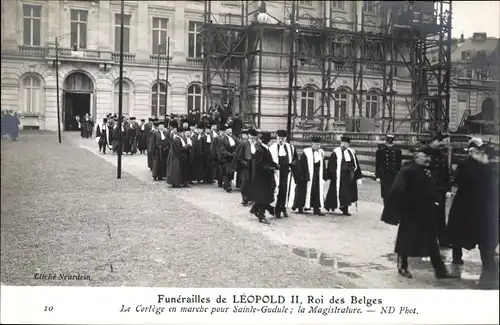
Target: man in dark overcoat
149 140
242 164
160 144
413 203
473 218
227 147
441 175
388 161
178 160
263 182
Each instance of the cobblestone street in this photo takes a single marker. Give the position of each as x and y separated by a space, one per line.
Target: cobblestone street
62 207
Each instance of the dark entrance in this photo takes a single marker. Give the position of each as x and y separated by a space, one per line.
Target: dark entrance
77 99
488 110
75 104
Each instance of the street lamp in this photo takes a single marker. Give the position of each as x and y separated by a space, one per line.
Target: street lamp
57 84
120 98
166 78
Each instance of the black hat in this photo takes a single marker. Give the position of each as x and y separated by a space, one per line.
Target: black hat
281 133
156 123
266 137
155 119
108 115
132 118
104 119
180 129
174 124
223 127
115 116
424 149
345 138
253 133
150 119
115 120
143 120
316 139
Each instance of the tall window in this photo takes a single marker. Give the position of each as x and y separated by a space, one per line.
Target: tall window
194 98
31 25
369 6
371 105
79 28
158 100
126 33
159 35
125 97
307 103
194 50
339 4
32 88
341 103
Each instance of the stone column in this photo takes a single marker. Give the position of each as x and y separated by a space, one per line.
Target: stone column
53 23
143 35
179 47
10 17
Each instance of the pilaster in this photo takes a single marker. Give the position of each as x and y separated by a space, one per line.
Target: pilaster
143 49
105 26
179 35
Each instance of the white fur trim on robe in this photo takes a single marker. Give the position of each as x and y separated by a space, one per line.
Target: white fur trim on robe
310 166
232 143
339 154
290 191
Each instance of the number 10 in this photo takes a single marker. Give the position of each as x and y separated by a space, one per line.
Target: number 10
48 308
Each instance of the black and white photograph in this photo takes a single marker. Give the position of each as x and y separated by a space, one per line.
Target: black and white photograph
250 144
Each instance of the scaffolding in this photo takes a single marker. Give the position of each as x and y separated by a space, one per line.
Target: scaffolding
411 42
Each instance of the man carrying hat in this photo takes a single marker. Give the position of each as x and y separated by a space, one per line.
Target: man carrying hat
309 179
388 161
344 174
412 203
284 155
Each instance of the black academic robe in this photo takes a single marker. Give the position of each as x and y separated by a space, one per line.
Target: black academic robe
196 168
101 132
208 172
142 143
160 148
116 135
473 217
343 176
226 153
149 140
284 195
242 164
388 161
411 202
214 153
132 132
309 179
178 159
263 183
126 143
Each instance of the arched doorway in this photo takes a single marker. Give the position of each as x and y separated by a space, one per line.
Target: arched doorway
488 110
78 99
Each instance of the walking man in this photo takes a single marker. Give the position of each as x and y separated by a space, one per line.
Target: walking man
388 161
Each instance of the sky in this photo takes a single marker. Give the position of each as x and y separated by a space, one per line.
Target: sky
476 16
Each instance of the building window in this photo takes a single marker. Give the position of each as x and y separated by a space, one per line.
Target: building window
469 73
466 55
194 50
307 103
369 6
125 97
79 28
32 94
339 4
158 99
194 98
341 104
126 33
371 105
31 25
159 35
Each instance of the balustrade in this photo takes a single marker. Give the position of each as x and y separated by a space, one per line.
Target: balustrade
126 57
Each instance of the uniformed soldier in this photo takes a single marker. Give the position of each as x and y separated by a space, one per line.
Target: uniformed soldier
388 161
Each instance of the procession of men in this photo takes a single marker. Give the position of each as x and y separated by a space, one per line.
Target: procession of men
273 178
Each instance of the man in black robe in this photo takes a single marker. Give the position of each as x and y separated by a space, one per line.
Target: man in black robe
263 183
206 142
344 174
388 161
227 146
141 140
242 164
178 160
116 136
413 203
160 149
309 179
196 170
149 139
284 155
214 152
102 134
237 125
132 133
441 175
